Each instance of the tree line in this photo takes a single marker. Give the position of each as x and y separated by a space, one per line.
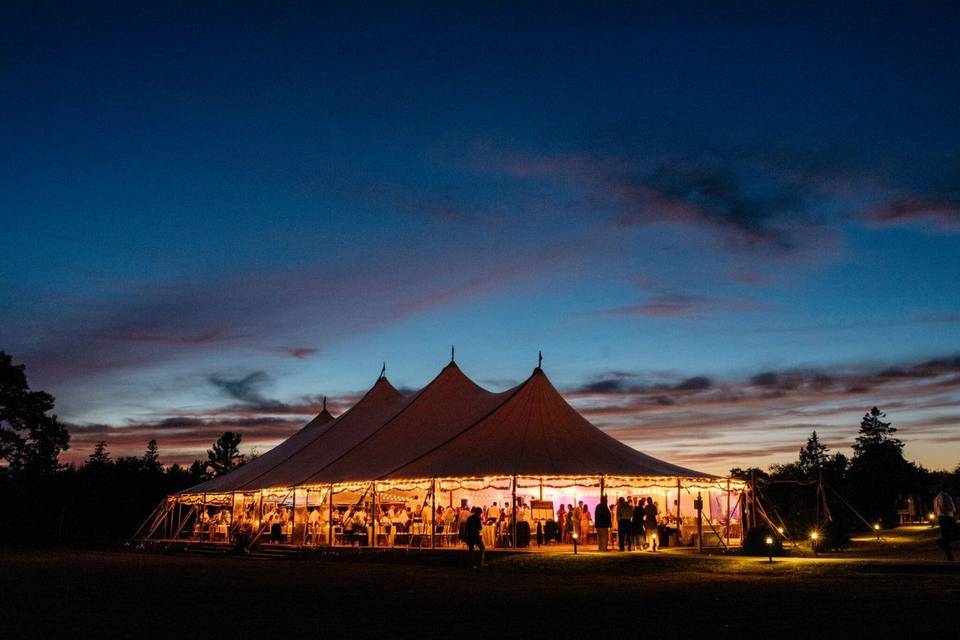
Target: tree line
98 502
837 495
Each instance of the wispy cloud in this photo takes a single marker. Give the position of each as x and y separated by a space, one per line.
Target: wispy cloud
719 424
942 213
246 389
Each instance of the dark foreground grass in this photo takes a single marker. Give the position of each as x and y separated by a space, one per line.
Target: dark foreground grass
124 594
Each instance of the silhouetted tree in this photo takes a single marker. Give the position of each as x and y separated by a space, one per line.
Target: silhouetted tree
100 456
876 436
198 471
880 477
151 458
225 454
813 457
30 438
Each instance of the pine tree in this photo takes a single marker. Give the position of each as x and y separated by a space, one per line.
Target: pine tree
813 456
876 435
151 457
100 456
198 471
879 474
225 454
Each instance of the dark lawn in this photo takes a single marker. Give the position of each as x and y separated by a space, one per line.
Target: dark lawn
124 594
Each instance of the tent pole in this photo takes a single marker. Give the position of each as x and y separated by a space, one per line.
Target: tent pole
513 511
678 510
293 517
373 516
433 515
541 488
203 511
330 518
603 485
728 516
260 516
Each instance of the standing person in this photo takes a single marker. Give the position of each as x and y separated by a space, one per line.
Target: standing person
584 523
602 520
561 523
624 531
474 536
639 533
946 512
568 532
650 522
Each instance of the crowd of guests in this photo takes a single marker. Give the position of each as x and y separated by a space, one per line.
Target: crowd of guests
634 521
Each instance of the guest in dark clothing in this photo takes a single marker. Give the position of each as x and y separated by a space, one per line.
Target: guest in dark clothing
602 521
624 530
650 521
474 528
639 535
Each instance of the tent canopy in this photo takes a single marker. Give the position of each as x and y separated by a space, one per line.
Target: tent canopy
450 428
535 432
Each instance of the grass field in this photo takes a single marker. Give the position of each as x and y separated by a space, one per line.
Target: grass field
877 590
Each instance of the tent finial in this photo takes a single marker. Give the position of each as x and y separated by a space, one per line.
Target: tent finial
539 359
324 403
383 371
452 359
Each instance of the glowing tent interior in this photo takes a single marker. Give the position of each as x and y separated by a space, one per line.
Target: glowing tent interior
397 470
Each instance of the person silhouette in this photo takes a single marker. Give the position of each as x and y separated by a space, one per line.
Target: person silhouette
473 529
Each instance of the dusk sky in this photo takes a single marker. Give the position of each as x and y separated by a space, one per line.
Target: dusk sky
724 227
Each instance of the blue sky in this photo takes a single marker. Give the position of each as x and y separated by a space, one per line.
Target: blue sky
292 194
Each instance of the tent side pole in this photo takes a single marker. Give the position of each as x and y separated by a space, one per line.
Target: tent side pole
603 485
374 514
513 511
433 515
541 488
259 517
203 511
330 518
679 525
729 519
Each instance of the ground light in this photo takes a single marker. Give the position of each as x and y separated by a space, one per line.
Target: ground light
575 536
876 528
770 548
814 536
